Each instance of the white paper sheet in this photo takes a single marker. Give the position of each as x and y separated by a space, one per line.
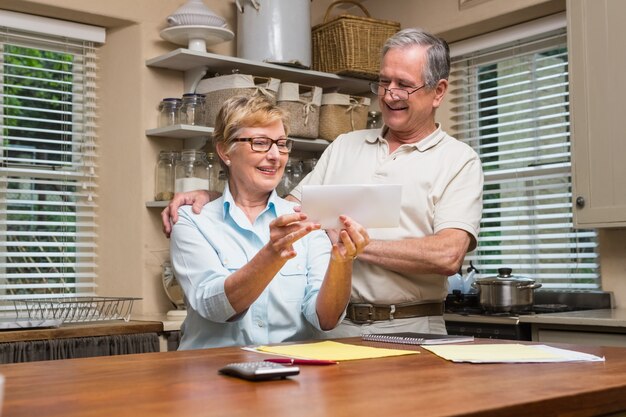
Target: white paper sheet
509 353
372 205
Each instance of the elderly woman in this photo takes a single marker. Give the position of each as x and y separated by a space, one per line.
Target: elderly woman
253 269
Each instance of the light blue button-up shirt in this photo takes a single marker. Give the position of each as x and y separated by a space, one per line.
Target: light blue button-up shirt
208 247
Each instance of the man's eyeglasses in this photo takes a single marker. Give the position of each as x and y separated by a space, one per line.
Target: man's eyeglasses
396 93
264 144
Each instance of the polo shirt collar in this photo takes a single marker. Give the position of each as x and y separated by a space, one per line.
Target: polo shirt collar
423 145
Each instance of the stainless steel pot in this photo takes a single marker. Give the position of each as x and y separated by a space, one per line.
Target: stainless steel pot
506 293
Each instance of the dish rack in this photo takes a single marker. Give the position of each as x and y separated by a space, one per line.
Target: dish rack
76 309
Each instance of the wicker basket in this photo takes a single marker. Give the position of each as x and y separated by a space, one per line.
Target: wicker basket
342 113
350 45
219 89
303 104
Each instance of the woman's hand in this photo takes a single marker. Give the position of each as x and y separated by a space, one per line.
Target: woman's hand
286 230
348 242
245 285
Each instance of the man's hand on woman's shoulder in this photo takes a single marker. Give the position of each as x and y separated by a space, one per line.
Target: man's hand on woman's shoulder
197 199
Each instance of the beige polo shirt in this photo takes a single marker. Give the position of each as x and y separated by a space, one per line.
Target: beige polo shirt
442 184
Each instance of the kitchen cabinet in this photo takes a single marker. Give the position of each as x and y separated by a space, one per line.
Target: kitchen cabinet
196 64
603 327
597 64
79 340
577 335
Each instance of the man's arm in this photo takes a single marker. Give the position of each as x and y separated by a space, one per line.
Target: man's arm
441 253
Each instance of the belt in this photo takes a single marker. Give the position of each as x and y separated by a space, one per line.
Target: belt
368 313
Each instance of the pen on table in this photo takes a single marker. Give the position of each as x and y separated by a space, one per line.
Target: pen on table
291 361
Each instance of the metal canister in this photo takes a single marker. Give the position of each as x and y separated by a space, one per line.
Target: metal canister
277 31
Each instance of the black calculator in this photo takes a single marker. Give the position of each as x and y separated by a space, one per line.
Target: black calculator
259 371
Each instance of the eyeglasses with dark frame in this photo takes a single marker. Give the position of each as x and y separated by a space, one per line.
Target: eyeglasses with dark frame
397 93
264 144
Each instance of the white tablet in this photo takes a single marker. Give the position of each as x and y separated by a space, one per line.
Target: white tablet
372 205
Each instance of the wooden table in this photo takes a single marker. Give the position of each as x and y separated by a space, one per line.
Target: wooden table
187 384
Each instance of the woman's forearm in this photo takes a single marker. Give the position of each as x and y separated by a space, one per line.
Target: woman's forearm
334 293
245 285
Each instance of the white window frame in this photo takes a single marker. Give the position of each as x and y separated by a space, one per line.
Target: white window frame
560 260
36 270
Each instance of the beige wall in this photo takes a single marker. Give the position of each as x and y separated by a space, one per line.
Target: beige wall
131 246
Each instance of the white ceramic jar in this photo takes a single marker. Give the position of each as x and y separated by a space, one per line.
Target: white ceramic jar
275 31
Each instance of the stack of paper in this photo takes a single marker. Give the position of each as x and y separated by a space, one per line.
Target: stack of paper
473 353
509 353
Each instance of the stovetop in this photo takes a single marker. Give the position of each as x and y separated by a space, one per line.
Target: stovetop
535 309
464 315
545 302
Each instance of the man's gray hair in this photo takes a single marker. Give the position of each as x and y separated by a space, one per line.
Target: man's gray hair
438 64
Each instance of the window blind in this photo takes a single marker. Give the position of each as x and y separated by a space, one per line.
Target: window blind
48 166
511 104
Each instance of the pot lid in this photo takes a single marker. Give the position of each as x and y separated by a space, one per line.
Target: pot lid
505 277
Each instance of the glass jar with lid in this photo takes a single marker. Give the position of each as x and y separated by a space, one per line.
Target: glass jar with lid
192 172
214 171
169 112
192 109
309 164
297 172
374 120
220 184
286 182
164 175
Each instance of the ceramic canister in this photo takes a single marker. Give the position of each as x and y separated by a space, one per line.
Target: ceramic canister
275 31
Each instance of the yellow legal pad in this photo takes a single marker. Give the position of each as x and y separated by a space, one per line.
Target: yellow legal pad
334 351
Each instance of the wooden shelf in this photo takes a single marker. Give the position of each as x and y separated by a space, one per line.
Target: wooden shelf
157 204
186 60
193 63
310 145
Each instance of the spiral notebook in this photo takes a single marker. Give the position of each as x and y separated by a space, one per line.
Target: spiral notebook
410 338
